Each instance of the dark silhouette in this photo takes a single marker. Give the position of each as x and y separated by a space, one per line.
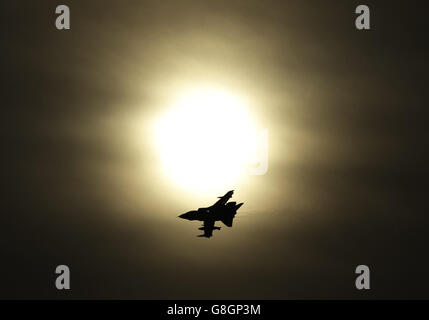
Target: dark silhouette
220 211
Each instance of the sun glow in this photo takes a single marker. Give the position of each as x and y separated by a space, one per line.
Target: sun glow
206 141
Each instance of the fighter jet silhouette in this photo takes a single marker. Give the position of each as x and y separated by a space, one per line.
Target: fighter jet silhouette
220 211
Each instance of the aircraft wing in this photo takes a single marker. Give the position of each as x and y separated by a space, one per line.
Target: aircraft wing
208 228
224 199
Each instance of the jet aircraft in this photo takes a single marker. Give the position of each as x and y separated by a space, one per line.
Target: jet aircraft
222 210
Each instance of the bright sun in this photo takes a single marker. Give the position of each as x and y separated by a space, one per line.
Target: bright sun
206 141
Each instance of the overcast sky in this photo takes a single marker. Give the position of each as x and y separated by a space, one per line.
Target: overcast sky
346 112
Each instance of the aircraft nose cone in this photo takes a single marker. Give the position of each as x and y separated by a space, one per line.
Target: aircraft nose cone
187 215
184 215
